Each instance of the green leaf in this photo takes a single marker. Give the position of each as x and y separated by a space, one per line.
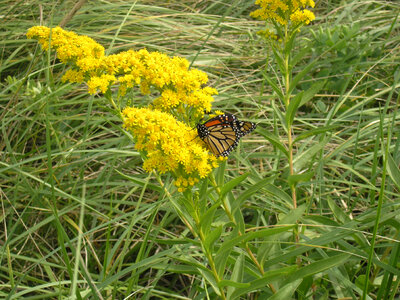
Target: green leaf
293 216
305 157
301 75
280 194
273 85
310 93
211 237
231 184
141 182
289 43
274 140
203 196
393 171
293 106
211 280
314 131
236 284
281 117
237 276
220 260
304 177
226 246
220 176
265 247
259 283
207 219
318 267
286 291
338 212
279 60
299 56
315 219
252 190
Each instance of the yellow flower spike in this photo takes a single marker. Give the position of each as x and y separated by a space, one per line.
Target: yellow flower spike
68 45
73 76
171 76
169 145
302 16
101 83
281 11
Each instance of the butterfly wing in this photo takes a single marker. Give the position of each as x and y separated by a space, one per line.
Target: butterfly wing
221 140
244 127
223 132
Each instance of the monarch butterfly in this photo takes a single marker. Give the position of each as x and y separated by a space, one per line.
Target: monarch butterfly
223 132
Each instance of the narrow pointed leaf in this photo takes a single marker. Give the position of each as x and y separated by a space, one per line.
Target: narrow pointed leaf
211 237
274 86
237 276
287 291
393 171
274 140
292 109
310 93
232 183
314 131
304 158
304 177
301 75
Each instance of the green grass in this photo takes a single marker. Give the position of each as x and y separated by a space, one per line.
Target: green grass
80 218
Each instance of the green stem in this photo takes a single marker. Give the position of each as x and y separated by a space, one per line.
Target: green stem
199 234
211 262
114 105
232 219
206 251
289 126
290 146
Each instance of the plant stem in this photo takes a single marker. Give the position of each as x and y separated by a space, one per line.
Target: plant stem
287 72
114 105
199 234
206 251
232 219
211 261
290 146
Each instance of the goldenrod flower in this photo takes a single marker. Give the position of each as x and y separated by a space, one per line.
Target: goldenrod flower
72 75
68 45
281 11
302 16
169 145
101 83
178 85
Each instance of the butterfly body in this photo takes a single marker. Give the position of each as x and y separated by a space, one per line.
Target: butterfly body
222 133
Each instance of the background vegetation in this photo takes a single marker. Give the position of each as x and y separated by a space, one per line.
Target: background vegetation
71 182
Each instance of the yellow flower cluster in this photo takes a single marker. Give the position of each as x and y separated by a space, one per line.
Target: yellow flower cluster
282 11
302 16
169 145
178 85
68 45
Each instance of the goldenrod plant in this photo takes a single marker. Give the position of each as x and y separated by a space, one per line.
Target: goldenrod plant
161 131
